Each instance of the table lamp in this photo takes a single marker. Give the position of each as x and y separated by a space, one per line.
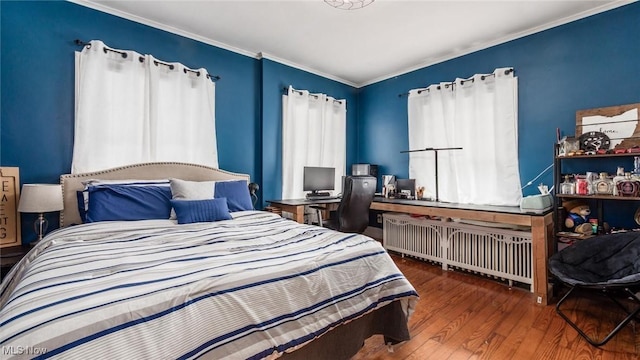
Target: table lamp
40 198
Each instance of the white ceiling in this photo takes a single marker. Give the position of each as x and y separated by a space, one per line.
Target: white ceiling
356 47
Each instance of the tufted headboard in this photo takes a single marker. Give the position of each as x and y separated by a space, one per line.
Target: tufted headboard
71 183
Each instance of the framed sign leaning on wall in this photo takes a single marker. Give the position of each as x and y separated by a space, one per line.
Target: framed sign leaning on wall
614 127
9 215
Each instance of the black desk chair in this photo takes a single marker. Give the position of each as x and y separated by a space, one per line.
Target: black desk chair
352 215
607 264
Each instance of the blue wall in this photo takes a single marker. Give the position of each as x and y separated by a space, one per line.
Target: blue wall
38 79
37 72
590 63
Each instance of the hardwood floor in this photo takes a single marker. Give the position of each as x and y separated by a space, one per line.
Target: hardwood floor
463 316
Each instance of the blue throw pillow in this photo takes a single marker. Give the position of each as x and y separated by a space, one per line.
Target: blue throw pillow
236 192
192 211
118 202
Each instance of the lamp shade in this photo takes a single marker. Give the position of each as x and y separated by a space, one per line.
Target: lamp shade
40 198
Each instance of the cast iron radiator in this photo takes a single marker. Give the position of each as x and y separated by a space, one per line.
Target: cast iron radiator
503 254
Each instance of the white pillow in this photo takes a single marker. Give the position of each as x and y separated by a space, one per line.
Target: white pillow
127 182
191 190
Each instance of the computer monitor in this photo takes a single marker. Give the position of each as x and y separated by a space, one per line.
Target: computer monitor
317 179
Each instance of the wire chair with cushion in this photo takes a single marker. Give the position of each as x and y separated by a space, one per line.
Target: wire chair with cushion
352 215
607 264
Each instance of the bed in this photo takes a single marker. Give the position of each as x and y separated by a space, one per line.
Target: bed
247 285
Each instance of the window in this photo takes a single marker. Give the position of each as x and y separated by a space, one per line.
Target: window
479 114
133 108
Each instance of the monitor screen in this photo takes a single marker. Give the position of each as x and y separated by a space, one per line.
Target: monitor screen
318 178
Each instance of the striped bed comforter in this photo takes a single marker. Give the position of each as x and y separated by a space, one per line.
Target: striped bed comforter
251 287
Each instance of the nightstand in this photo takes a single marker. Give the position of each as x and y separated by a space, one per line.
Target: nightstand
10 256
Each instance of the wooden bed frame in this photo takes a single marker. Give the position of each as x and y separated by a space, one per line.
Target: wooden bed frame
71 183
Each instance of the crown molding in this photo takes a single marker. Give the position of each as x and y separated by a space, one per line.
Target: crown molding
264 55
430 62
609 6
157 25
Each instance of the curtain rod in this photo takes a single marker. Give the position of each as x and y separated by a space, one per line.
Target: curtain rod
453 83
286 90
141 59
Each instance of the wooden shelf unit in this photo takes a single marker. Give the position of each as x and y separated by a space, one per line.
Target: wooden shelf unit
597 197
558 178
596 156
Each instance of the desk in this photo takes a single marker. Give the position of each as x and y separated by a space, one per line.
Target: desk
541 225
296 206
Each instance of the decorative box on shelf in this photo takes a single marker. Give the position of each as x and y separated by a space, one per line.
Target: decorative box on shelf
9 215
568 146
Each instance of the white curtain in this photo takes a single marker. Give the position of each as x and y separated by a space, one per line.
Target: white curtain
135 108
182 117
313 134
480 115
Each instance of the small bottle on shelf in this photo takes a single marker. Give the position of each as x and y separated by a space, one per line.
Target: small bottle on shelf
594 226
604 185
616 179
628 186
592 177
582 185
567 187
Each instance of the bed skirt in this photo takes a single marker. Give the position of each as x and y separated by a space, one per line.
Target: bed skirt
346 340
